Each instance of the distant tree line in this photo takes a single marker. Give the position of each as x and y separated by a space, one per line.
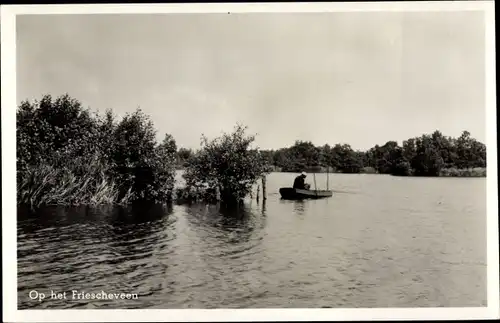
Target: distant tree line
427 155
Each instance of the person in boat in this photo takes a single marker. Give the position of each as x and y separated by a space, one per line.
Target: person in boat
299 182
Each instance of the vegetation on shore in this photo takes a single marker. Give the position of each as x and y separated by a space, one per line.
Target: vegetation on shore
224 169
68 155
427 155
469 172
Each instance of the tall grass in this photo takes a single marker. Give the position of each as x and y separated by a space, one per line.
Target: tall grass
80 182
368 170
467 172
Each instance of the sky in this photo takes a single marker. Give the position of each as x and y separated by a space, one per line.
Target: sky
361 78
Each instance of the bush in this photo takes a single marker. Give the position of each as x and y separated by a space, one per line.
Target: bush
54 130
468 172
368 170
227 165
68 155
402 168
138 162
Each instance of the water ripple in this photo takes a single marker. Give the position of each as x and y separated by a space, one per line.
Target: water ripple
376 248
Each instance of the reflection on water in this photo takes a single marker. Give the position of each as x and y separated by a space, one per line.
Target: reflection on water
404 243
299 207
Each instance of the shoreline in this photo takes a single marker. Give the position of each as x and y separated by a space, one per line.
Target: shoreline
103 159
454 173
447 172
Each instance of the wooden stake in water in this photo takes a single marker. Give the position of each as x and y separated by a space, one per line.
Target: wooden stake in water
327 178
264 197
217 193
315 188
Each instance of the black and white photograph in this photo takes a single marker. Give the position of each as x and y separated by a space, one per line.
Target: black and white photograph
235 162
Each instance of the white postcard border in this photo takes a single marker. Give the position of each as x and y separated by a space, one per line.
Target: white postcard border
8 101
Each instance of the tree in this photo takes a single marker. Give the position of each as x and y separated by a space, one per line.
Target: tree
139 163
267 156
464 145
477 157
428 160
54 131
183 156
304 155
282 159
345 159
400 166
228 164
106 130
409 149
68 155
426 155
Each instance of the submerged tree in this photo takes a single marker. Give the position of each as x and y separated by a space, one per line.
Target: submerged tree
139 163
228 164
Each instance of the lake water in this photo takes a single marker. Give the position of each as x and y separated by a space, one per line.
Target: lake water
380 241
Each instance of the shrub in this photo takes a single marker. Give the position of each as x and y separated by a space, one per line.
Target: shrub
368 170
68 155
226 164
402 168
467 172
138 162
52 130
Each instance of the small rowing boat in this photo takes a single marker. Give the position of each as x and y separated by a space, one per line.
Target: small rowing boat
290 193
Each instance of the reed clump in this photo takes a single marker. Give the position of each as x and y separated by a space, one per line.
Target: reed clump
368 170
467 172
76 184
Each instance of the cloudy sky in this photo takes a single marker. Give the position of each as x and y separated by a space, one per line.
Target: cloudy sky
357 78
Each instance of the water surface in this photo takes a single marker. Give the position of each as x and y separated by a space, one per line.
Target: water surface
380 241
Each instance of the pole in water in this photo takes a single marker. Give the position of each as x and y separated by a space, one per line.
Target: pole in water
327 178
264 197
217 194
315 188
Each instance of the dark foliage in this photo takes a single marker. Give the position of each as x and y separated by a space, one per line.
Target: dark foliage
428 155
227 164
68 155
